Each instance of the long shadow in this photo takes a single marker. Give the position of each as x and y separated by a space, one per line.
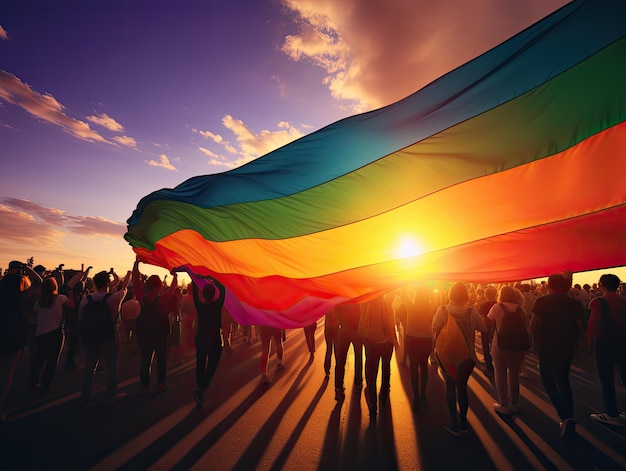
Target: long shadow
195 417
331 448
251 456
215 396
297 431
350 453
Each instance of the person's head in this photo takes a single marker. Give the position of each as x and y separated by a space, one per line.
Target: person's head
208 291
49 289
458 293
101 279
610 282
50 286
559 284
78 288
153 283
491 293
40 270
508 294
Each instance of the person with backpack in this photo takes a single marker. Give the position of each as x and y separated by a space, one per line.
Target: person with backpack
97 318
607 330
153 325
509 346
454 331
556 327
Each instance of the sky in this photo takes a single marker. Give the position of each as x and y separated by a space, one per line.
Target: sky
104 102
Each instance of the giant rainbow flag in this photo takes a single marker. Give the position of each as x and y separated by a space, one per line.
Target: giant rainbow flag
510 167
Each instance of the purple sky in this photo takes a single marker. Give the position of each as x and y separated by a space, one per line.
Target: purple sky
103 102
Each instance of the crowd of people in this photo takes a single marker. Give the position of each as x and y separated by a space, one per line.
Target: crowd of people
45 311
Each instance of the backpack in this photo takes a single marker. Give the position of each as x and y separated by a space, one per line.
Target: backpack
451 347
512 334
97 325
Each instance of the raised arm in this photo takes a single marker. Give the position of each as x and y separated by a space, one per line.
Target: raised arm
137 282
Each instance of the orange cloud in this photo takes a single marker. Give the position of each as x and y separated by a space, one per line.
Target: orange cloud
379 51
44 107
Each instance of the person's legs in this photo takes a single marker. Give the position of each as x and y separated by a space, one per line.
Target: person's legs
265 349
554 373
40 353
425 346
330 337
605 367
54 347
214 353
309 334
411 345
500 366
563 383
487 348
111 350
463 374
515 365
202 352
147 352
341 355
357 345
8 363
161 362
451 399
372 359
91 354
386 352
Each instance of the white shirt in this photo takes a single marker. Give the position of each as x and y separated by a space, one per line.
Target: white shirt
49 318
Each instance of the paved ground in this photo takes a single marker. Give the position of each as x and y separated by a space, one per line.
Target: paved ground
295 423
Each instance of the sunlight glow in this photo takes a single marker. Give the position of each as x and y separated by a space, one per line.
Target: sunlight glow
407 247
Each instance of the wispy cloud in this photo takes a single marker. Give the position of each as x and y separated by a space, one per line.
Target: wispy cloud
3 33
126 141
106 121
163 162
44 107
379 51
249 145
28 223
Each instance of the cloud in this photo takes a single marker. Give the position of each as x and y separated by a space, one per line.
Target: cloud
249 145
380 51
44 107
3 33
126 141
163 162
106 121
25 222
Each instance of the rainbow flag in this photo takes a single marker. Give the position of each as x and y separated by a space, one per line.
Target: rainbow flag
510 167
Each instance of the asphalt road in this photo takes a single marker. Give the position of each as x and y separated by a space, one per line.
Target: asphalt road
294 423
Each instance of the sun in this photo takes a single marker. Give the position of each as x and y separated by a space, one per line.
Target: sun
407 247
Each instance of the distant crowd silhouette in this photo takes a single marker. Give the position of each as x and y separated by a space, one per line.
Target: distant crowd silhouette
455 326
